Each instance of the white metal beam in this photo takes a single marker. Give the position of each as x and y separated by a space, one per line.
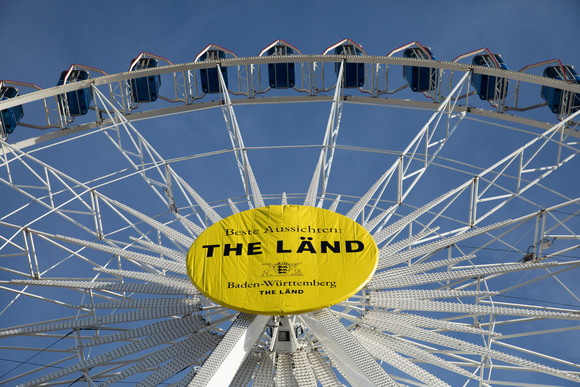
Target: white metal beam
324 165
409 165
221 366
247 175
356 364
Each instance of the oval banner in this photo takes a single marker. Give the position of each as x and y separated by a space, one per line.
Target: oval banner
281 260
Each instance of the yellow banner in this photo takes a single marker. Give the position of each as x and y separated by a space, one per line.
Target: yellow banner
281 260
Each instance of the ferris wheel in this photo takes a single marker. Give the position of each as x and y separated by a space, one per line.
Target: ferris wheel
461 174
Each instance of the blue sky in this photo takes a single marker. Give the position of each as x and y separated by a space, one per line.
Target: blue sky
39 39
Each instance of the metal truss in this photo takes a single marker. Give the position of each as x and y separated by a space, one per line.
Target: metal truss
248 180
186 93
427 143
322 171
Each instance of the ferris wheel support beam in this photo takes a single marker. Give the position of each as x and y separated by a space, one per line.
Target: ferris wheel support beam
142 156
248 179
49 188
410 165
69 193
221 366
518 163
425 335
322 170
392 358
353 360
141 150
550 145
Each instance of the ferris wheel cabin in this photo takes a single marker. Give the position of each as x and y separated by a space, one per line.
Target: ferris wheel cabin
145 89
354 73
420 79
560 101
10 117
210 82
280 75
75 102
489 87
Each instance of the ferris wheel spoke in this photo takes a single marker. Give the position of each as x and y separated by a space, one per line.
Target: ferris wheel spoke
246 371
247 175
49 188
265 371
356 364
180 355
392 255
322 369
383 300
407 348
171 233
144 158
183 306
145 259
392 230
423 267
233 206
384 281
335 203
175 282
223 363
80 205
407 243
153 340
305 374
196 323
26 293
478 195
322 170
407 330
388 355
284 376
504 180
499 341
175 255
419 153
44 367
427 322
137 151
111 287
389 257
